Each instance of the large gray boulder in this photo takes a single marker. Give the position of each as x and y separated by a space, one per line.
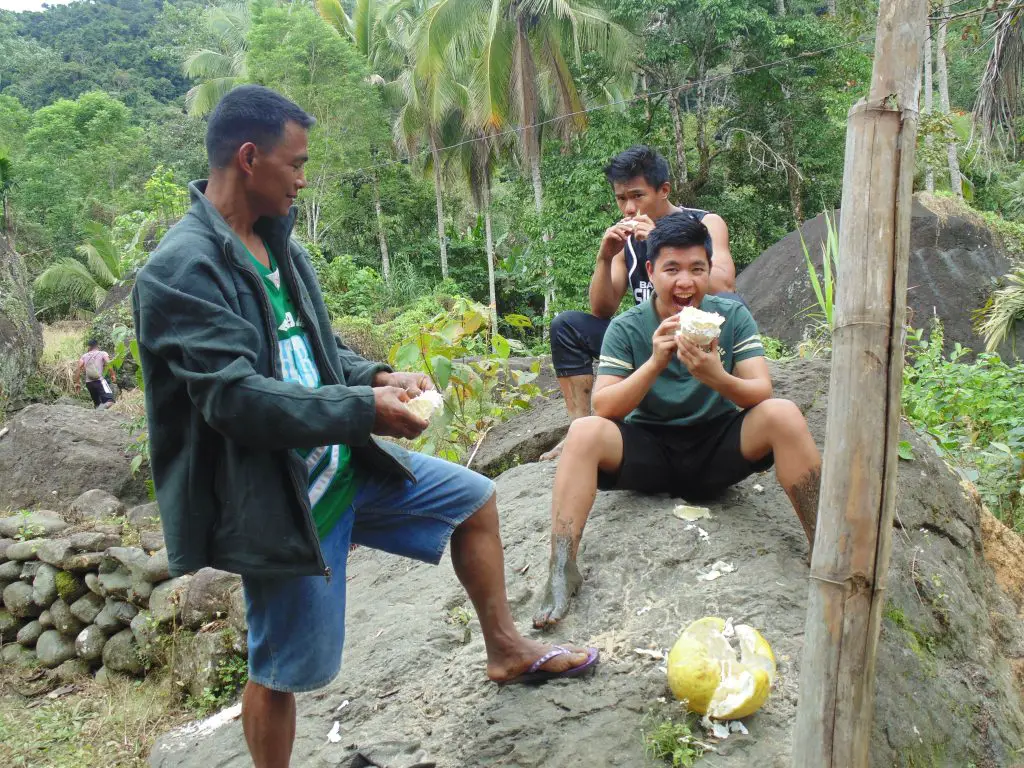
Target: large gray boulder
53 648
945 684
44 586
55 453
18 600
955 263
96 504
207 597
121 654
21 336
32 524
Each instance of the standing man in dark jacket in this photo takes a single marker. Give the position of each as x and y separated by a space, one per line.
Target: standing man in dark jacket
260 425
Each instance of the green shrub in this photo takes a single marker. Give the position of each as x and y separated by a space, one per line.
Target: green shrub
972 410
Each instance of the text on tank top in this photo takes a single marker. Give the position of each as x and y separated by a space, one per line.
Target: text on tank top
636 262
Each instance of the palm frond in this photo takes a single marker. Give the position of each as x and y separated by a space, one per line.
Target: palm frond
441 25
71 280
230 24
999 95
1005 309
201 99
206 64
332 12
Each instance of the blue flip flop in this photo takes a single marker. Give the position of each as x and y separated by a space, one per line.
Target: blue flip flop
535 675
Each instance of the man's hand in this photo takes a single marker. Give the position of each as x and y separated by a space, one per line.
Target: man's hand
663 343
643 224
393 419
705 366
614 239
414 384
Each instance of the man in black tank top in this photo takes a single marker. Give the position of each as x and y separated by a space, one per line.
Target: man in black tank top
639 179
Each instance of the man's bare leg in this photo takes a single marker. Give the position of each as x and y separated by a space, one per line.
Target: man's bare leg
577 392
268 720
778 426
592 443
478 558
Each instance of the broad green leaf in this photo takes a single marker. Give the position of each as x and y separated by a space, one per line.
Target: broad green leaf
442 367
906 451
406 357
518 321
500 344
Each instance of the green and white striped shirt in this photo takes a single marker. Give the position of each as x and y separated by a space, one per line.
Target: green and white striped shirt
332 483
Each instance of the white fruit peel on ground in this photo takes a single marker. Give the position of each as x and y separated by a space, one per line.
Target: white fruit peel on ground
699 326
712 572
426 404
705 671
691 514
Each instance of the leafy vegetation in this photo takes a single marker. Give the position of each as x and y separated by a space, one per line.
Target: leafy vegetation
672 742
971 410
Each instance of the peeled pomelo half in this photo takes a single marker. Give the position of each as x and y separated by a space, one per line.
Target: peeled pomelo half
705 672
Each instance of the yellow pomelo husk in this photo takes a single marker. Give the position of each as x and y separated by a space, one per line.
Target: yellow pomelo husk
703 670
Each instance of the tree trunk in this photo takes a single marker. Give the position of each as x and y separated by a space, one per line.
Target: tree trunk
527 74
493 306
647 99
679 129
441 239
853 542
9 221
385 260
940 61
831 7
929 92
796 204
780 7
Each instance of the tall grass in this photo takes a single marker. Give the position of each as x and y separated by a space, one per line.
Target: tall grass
63 345
822 313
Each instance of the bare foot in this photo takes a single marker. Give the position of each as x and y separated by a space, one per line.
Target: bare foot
520 658
554 453
563 582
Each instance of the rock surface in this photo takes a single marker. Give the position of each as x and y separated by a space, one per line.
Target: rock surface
41 522
121 654
523 438
945 694
97 504
54 649
55 453
955 262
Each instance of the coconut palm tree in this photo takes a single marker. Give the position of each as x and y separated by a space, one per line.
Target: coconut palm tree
82 283
1004 310
222 69
526 48
1000 93
384 32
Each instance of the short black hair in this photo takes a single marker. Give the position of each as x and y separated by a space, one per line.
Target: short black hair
639 160
92 343
680 229
249 113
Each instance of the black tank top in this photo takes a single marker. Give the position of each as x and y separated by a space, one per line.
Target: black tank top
636 262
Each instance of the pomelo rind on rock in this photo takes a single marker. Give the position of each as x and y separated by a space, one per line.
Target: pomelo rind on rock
705 672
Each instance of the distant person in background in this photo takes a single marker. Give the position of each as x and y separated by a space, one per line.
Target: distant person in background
639 179
94 364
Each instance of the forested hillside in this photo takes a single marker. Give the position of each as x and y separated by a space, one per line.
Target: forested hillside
431 126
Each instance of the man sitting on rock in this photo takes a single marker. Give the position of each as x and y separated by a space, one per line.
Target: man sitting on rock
673 417
260 425
639 179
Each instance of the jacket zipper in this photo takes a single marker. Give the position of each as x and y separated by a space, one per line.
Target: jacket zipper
302 493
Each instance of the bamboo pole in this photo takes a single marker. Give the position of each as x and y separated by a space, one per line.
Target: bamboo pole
854 533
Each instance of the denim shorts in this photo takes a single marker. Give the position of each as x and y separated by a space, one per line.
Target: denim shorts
297 625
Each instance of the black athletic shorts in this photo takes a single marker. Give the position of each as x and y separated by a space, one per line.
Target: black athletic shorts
695 462
100 392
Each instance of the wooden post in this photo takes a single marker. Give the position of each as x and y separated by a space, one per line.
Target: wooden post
854 532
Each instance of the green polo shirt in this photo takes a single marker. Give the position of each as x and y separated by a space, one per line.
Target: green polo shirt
332 482
676 398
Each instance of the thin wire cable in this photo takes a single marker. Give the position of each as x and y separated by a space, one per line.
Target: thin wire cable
606 105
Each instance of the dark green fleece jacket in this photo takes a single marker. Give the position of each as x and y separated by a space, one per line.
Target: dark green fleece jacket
222 423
